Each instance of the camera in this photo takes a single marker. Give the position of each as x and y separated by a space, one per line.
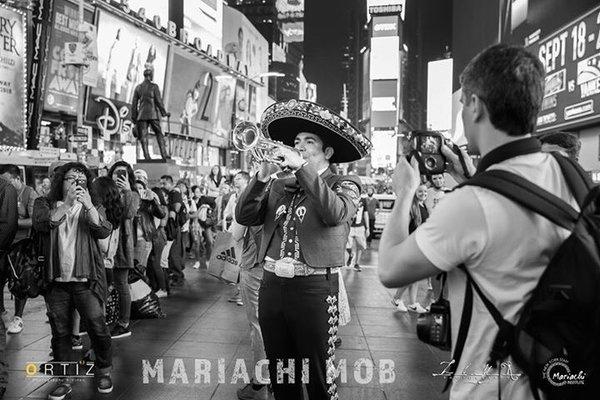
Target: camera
427 148
81 183
434 327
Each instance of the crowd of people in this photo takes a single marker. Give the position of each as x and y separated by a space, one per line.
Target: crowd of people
95 232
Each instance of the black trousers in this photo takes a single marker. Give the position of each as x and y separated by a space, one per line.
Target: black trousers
142 128
298 318
61 298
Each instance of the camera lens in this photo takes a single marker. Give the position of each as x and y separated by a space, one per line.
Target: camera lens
430 163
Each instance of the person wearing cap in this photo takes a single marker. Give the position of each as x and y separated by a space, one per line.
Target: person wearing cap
306 217
146 109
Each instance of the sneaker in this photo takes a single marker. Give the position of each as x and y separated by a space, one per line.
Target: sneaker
417 308
249 393
357 267
161 293
196 265
118 331
104 384
401 307
76 342
15 326
234 299
62 391
395 302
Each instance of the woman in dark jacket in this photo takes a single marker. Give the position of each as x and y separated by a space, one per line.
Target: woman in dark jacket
70 226
122 174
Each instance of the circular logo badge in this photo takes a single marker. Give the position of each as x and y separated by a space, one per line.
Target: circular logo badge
558 373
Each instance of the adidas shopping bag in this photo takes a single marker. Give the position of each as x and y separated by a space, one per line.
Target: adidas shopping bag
224 261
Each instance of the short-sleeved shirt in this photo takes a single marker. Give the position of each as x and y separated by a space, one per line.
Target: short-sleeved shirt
359 218
434 196
371 205
506 248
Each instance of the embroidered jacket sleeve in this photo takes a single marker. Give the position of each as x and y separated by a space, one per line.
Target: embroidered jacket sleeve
335 205
251 207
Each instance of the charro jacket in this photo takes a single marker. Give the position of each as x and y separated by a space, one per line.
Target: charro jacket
88 263
330 201
147 94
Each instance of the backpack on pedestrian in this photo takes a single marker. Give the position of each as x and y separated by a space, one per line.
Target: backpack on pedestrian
556 341
25 266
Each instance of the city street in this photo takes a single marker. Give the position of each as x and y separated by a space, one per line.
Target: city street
201 324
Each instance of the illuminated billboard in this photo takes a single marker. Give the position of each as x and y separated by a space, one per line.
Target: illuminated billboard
385 57
439 95
385 149
572 63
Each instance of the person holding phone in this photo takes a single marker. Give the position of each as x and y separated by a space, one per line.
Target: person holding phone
70 224
122 173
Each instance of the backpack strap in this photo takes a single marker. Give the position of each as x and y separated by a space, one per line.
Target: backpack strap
577 179
528 195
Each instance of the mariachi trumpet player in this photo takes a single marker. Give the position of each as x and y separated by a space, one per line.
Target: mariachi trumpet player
306 219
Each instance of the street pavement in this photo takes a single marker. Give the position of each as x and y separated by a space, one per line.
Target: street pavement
201 324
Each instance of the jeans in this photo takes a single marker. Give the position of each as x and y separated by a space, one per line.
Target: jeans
122 286
250 280
154 271
176 257
142 251
3 362
61 298
299 320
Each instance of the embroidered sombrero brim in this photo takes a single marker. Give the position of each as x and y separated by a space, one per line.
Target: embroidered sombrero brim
283 122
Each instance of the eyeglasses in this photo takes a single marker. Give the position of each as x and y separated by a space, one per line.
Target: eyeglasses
72 179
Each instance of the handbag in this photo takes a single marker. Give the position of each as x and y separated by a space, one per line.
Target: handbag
224 260
26 262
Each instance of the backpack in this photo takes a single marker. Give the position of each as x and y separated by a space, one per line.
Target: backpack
25 264
556 341
182 215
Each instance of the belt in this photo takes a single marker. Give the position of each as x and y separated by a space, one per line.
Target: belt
301 269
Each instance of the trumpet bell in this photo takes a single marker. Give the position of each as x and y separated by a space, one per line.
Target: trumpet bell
246 136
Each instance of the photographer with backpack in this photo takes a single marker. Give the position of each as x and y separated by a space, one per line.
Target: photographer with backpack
500 237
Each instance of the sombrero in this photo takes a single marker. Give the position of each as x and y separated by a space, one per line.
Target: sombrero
283 121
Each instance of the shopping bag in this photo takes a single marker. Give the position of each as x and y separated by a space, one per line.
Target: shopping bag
144 303
225 258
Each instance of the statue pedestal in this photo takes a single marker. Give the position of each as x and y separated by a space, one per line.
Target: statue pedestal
157 168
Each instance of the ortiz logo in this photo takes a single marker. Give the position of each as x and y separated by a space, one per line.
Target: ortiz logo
228 255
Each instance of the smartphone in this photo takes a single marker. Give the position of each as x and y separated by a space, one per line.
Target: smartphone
121 174
81 183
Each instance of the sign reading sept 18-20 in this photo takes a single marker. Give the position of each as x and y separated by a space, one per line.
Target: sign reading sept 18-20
571 57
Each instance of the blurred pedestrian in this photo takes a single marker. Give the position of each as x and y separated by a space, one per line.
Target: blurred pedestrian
214 181
26 196
176 250
9 216
371 205
146 228
156 272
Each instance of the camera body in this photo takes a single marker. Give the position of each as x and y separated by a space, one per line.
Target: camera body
81 183
427 147
434 327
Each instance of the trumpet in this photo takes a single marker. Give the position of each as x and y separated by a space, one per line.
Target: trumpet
247 136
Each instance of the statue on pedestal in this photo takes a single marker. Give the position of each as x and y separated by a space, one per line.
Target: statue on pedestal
147 108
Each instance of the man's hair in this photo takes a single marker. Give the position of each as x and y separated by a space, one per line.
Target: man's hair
244 175
10 169
148 73
567 140
167 178
510 81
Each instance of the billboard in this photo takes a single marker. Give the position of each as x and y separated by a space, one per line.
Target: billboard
293 31
160 8
572 63
193 96
384 103
385 149
245 42
204 19
290 9
62 91
123 54
385 57
439 95
13 71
